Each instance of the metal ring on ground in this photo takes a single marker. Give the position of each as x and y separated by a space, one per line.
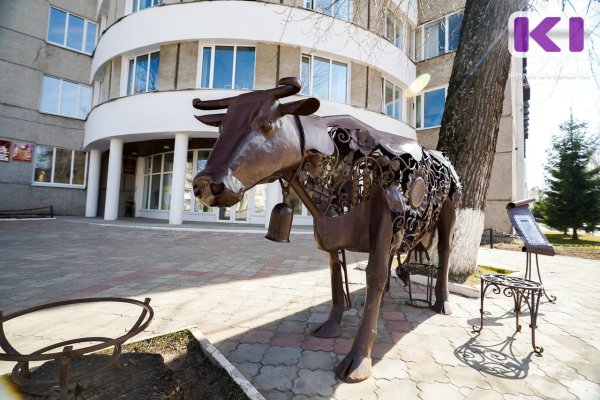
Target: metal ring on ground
21 370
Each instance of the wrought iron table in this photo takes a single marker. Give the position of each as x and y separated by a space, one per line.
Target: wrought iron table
522 291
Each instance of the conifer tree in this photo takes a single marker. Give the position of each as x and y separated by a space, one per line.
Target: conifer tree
572 196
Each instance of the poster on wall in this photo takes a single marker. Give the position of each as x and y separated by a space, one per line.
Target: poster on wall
4 150
22 152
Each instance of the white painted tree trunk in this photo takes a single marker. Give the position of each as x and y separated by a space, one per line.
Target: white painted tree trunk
467 238
465 245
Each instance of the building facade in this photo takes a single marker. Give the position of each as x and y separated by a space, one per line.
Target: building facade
102 91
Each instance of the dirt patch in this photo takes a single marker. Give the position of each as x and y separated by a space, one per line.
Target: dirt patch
171 367
475 278
588 252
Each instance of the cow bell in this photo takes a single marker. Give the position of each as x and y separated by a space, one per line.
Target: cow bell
280 223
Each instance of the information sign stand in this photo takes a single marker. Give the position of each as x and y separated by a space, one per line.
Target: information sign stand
534 241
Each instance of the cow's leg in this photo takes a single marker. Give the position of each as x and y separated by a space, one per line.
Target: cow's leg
356 366
445 233
331 327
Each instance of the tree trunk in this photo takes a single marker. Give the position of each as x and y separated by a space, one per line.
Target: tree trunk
575 235
472 114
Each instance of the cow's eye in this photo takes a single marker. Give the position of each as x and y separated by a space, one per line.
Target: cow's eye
267 126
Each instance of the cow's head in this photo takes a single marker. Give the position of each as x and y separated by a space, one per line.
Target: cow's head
256 143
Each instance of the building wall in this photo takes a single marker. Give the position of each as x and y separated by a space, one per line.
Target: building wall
430 10
25 57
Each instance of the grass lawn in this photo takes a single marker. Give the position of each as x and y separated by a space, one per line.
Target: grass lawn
558 239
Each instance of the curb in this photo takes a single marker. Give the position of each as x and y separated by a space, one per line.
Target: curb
218 359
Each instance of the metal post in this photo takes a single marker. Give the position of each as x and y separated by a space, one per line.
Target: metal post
491 239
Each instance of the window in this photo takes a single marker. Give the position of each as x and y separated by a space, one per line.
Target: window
59 167
196 161
65 98
142 4
323 78
394 30
392 100
143 73
429 108
68 30
227 67
438 37
336 8
158 178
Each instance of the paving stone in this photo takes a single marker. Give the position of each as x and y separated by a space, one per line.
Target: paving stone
437 390
505 386
343 346
480 394
316 360
282 355
364 390
466 377
275 378
315 343
227 346
589 371
277 395
548 388
247 352
519 397
312 383
583 389
396 388
287 339
393 316
277 289
248 369
380 350
291 326
426 372
390 369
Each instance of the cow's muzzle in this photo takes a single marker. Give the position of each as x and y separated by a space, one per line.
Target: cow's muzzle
218 189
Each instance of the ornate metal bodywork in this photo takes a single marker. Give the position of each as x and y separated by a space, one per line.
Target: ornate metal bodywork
415 186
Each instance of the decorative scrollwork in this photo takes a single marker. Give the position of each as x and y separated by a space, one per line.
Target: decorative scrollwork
416 189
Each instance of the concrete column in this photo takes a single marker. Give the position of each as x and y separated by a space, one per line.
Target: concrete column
113 180
139 186
93 183
178 184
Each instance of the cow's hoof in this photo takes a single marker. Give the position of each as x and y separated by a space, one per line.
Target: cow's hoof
442 307
354 368
328 329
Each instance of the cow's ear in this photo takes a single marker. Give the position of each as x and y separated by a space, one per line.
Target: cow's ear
211 119
300 107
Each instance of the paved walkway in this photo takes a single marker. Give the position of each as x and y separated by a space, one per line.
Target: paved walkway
258 301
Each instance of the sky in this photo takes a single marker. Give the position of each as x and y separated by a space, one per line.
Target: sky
561 83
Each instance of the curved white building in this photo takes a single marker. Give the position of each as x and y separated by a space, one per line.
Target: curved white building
152 58
96 115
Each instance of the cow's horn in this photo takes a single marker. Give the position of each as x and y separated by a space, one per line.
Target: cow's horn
287 87
211 104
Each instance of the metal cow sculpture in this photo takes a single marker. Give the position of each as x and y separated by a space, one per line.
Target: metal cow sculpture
368 191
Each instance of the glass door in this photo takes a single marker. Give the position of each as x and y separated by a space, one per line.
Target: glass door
238 212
